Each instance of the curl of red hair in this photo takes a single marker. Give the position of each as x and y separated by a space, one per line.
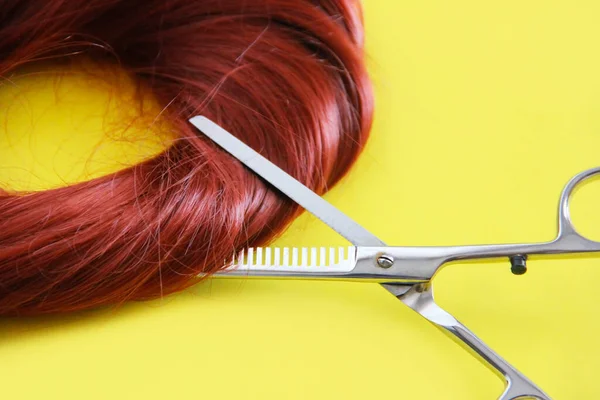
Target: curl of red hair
286 76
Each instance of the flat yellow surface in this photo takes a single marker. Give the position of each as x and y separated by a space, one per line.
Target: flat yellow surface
485 110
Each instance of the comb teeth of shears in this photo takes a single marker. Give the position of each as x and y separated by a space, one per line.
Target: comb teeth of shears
333 259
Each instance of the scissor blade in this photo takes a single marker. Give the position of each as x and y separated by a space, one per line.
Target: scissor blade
295 190
264 260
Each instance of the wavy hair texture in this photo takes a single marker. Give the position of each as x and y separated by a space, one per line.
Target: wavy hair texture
285 76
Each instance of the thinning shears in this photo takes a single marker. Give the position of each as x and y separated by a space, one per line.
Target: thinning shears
406 272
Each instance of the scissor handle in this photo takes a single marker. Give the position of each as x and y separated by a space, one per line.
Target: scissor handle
567 232
518 387
422 263
425 262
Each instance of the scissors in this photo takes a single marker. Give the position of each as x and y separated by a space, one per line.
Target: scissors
406 272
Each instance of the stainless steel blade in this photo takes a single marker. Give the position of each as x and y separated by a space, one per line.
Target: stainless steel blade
293 259
295 190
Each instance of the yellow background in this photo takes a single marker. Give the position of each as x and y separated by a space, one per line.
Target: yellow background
484 111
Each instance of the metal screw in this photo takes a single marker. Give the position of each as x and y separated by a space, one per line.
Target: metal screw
518 264
385 261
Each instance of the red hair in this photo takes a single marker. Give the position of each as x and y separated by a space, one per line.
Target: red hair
285 76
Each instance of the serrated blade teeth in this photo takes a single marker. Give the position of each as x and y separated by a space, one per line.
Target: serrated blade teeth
295 259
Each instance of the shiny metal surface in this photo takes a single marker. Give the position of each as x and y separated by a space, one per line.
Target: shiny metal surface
409 276
385 261
420 298
329 261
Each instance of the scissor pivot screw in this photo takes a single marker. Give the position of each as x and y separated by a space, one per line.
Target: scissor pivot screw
518 264
385 261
